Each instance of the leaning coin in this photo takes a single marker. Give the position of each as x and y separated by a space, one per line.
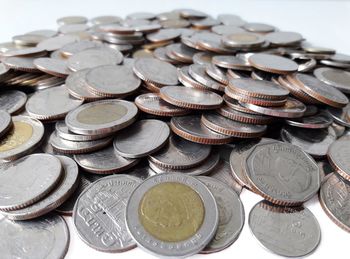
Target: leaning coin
110 220
46 237
141 139
278 229
55 67
319 120
192 205
338 156
335 77
5 122
57 42
64 188
27 180
231 215
63 132
340 116
23 137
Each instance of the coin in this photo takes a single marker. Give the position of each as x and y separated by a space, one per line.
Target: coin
22 138
258 27
217 73
198 72
105 161
340 115
197 213
202 58
55 67
71 20
335 77
325 170
226 29
146 136
51 103
319 120
20 63
334 200
284 38
231 215
187 80
5 122
272 63
242 40
110 220
275 229
101 117
282 173
57 42
25 52
337 156
231 19
232 62
163 35
27 180
28 39
75 47
46 237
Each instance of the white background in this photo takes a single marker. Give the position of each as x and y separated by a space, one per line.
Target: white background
325 23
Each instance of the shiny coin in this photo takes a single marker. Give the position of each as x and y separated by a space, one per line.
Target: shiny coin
217 73
71 20
105 161
231 19
337 155
55 67
198 72
198 214
187 80
335 77
5 122
24 64
340 115
202 58
22 138
28 39
51 103
141 139
226 29
282 173
63 132
57 42
242 40
275 229
319 120
101 117
35 51
272 63
46 237
27 180
163 35
72 28
231 62
182 52
109 219
284 38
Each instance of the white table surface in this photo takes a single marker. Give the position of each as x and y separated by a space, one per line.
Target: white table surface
323 23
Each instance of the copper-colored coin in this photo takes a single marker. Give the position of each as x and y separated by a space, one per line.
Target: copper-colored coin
55 67
198 72
273 64
232 114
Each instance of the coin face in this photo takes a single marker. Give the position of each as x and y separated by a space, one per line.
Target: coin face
27 180
273 63
275 229
337 155
110 219
46 237
334 77
151 204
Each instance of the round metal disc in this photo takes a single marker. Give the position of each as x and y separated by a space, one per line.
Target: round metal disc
337 156
5 122
273 63
334 77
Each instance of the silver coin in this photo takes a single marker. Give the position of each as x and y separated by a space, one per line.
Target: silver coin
226 29
24 64
231 215
27 39
63 189
22 138
101 117
25 52
27 180
73 147
101 206
12 101
51 103
94 57
319 120
105 161
72 28
43 238
46 33
334 77
340 116
161 190
231 19
164 35
57 42
106 19
52 66
181 154
5 122
198 72
71 20
141 139
286 231
75 47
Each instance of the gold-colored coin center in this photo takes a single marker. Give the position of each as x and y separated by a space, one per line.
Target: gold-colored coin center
171 212
20 133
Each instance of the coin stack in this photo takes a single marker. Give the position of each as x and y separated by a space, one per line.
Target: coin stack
146 129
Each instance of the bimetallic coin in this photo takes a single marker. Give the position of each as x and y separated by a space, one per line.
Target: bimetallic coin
272 63
27 180
182 205
279 229
110 220
141 139
335 77
5 122
338 156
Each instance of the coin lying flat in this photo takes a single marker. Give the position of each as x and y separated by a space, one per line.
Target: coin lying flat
63 132
21 64
273 63
71 20
242 40
283 38
160 200
337 156
55 67
101 117
276 229
57 42
319 120
113 235
5 122
142 138
41 238
27 180
335 77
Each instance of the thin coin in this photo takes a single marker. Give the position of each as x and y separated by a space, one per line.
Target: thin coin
57 42
337 156
284 38
319 120
340 115
226 29
242 40
217 73
5 122
75 47
164 35
24 64
55 67
187 80
34 51
236 115
202 58
335 77
72 20
258 27
231 62
28 39
234 104
198 72
272 63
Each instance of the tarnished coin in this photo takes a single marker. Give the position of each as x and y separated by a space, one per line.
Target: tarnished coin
335 77
57 42
51 103
24 64
279 228
198 72
231 215
101 117
340 115
282 173
190 98
180 154
104 161
114 236
242 40
27 180
141 139
22 138
338 156
46 237
64 188
112 81
72 20
55 67
272 63
319 120
5 122
175 198
334 199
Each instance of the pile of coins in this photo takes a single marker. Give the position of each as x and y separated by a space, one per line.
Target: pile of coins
146 129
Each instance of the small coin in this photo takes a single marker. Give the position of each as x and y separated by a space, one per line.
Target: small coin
275 229
55 67
337 156
104 161
72 28
101 117
5 122
72 20
340 115
24 64
335 77
27 180
202 58
319 120
191 13
197 213
284 38
142 138
46 237
182 52
106 19
57 42
272 63
198 72
109 219
226 29
63 132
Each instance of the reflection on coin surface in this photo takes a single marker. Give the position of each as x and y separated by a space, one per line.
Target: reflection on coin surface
5 122
57 42
273 63
339 158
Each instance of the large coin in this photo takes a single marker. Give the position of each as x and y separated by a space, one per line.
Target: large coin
172 209
12 101
338 156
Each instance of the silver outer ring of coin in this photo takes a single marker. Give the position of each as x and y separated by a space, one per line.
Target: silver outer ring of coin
180 249
5 122
86 129
129 181
17 100
25 148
